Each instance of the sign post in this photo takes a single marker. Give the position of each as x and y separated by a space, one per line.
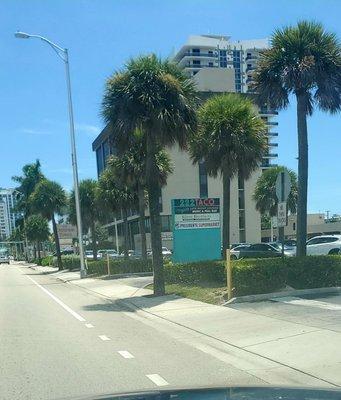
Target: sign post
196 229
283 188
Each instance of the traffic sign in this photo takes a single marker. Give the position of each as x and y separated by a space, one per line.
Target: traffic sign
283 186
282 214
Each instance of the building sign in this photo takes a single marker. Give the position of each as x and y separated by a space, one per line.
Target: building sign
196 213
196 229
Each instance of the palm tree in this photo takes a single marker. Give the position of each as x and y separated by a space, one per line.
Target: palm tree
156 97
37 231
130 167
305 61
31 176
90 209
231 139
48 199
265 191
115 196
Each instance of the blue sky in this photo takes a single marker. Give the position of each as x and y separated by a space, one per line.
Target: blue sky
101 35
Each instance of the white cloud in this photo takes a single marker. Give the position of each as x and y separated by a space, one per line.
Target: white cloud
90 130
34 131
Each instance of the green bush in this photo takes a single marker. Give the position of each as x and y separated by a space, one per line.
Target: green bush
313 271
196 272
121 266
46 261
255 276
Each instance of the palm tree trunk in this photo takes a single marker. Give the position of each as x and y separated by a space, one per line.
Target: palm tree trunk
126 233
302 175
94 240
226 211
142 206
56 240
153 188
39 255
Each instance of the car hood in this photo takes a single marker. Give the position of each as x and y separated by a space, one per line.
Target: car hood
226 393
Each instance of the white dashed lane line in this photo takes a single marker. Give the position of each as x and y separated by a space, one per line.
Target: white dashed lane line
67 308
157 379
89 325
125 354
103 337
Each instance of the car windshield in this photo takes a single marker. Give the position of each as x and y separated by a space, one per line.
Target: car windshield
155 155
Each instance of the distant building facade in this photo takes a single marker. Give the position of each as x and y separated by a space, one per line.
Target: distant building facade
216 65
317 224
8 216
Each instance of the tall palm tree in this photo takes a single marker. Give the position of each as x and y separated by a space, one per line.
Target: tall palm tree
230 140
31 176
156 97
265 191
116 196
305 61
90 209
48 199
130 167
37 230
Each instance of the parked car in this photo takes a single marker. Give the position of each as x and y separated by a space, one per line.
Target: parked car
257 250
165 252
323 245
4 257
111 252
236 251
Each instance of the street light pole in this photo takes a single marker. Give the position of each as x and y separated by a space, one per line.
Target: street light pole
64 55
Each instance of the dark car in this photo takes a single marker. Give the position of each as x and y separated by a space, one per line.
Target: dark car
259 250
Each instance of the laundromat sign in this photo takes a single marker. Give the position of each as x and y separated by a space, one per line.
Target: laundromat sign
196 213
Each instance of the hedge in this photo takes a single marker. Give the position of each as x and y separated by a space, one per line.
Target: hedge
254 276
122 266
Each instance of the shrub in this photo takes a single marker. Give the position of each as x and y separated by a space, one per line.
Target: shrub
46 261
122 266
254 276
196 272
313 271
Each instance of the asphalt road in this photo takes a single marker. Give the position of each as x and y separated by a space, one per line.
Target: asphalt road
58 340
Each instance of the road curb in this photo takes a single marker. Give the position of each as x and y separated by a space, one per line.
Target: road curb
268 296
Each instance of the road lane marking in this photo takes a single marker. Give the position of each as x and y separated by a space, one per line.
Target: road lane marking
306 302
125 354
89 325
103 337
67 308
157 379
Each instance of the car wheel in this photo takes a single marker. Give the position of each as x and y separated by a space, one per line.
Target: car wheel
334 252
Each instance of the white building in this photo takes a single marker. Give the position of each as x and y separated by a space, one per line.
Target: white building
7 215
217 65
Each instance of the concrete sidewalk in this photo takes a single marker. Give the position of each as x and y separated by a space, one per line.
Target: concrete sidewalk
275 349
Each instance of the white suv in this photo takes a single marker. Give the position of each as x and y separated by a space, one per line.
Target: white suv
322 245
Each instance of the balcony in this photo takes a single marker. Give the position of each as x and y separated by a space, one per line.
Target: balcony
273 134
272 123
250 69
273 144
266 166
252 57
194 54
267 112
270 155
200 66
249 80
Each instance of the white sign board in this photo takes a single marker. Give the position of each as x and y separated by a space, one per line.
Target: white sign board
282 214
283 185
197 221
